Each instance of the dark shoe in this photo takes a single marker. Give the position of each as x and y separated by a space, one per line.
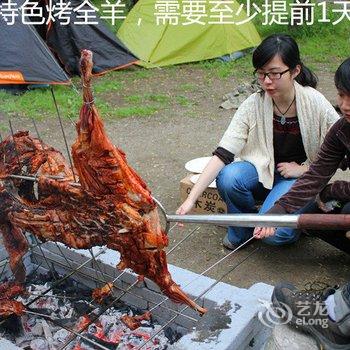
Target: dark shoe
232 246
308 312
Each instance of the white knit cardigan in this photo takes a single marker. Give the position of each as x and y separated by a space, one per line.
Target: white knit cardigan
250 133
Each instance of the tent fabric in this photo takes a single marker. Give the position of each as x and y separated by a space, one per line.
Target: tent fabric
161 45
68 40
25 58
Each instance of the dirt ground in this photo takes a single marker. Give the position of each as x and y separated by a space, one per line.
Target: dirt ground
158 148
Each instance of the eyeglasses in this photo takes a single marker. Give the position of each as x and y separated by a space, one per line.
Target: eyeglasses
271 75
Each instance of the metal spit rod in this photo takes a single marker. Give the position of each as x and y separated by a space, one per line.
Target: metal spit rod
242 220
65 277
301 221
124 291
78 335
206 270
63 133
35 178
313 221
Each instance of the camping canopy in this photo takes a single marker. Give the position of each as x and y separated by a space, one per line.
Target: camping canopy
25 58
166 44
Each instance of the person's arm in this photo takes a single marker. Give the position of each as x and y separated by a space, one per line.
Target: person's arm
232 142
206 178
337 190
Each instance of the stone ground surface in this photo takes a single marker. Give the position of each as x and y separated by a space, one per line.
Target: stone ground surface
159 146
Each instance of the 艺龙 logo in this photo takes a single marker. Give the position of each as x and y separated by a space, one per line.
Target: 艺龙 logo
273 315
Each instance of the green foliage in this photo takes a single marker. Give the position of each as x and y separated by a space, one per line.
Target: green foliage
39 104
321 42
162 99
133 98
4 126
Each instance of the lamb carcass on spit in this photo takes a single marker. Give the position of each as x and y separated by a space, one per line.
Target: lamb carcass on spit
110 205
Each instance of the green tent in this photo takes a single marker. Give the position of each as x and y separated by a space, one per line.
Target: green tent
167 44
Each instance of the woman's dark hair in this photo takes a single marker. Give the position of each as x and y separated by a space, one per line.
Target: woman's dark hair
342 77
286 47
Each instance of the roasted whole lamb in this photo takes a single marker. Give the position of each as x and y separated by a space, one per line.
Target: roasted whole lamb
9 290
108 204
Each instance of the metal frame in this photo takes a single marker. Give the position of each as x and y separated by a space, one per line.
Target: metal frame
103 277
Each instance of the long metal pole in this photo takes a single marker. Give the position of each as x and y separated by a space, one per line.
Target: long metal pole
301 221
241 220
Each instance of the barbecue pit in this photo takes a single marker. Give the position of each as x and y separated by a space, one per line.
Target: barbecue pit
230 323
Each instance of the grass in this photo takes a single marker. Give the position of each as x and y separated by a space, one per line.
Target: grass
161 99
38 104
137 111
187 87
107 86
4 127
184 101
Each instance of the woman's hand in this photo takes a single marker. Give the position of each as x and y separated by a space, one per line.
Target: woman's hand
209 174
291 170
327 207
264 232
185 207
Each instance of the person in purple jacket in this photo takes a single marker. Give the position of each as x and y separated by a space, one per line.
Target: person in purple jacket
324 313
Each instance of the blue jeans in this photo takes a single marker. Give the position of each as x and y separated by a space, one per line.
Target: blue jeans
239 186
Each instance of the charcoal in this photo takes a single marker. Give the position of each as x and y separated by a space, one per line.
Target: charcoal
108 345
11 325
172 335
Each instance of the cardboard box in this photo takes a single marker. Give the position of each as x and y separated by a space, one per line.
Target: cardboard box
209 202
